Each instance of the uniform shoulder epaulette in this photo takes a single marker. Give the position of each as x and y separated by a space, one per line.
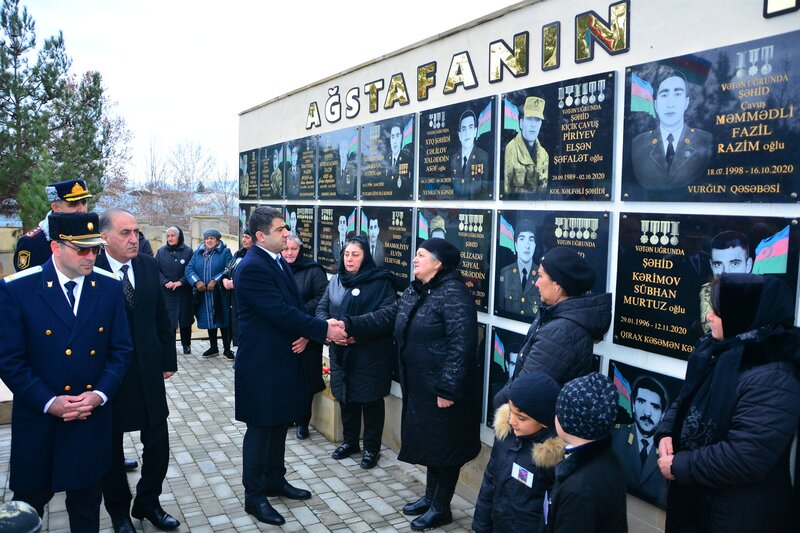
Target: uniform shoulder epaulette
22 273
34 232
106 273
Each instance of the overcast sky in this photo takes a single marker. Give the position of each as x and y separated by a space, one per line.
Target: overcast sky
182 70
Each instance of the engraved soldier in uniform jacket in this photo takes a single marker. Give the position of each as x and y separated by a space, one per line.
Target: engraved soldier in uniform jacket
276 178
526 161
470 164
64 358
33 248
516 288
293 175
672 155
346 173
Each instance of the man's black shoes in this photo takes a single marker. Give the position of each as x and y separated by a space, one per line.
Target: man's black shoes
158 517
288 491
302 432
265 513
122 524
369 459
344 451
131 465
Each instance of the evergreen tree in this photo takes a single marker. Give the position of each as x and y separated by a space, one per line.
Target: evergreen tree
51 122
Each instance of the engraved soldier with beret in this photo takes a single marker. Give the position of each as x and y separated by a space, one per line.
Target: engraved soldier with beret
65 362
526 161
469 165
33 248
516 289
672 155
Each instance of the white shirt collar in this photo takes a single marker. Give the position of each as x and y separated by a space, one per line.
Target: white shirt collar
273 255
76 291
116 266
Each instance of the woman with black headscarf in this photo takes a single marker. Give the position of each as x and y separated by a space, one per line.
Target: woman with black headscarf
725 443
172 259
361 369
435 326
312 282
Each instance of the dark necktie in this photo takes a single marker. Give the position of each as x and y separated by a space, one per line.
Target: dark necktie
373 251
127 288
394 161
464 166
643 453
524 277
70 296
670 150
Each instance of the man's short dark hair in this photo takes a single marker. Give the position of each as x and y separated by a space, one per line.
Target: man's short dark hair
651 384
730 239
261 219
465 114
668 72
108 215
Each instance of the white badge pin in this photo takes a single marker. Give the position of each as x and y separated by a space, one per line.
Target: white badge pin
356 292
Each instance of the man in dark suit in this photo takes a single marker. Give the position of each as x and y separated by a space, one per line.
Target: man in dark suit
293 175
341 239
64 355
673 155
469 165
400 161
375 245
634 443
33 248
270 390
346 173
141 404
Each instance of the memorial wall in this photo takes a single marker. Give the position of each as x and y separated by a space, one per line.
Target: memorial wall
659 141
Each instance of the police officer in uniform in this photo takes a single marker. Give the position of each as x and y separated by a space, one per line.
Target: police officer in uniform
526 161
33 248
516 289
64 359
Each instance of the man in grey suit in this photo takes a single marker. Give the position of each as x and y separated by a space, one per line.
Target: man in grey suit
672 155
375 244
634 442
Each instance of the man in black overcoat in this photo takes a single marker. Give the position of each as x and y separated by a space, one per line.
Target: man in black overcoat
141 404
270 389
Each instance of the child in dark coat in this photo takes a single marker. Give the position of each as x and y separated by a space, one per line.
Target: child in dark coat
589 492
524 454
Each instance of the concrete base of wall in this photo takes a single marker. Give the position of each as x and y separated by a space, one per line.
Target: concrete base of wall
6 401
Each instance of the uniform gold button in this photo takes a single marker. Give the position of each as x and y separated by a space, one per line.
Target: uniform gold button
48 332
522 312
100 329
68 351
522 300
92 352
67 388
88 387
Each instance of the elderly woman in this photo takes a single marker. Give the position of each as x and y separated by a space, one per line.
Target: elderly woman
726 441
361 368
560 340
436 332
312 282
204 271
227 284
172 259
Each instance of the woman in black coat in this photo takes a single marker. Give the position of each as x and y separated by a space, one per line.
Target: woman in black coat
172 259
361 368
436 333
312 282
725 442
227 284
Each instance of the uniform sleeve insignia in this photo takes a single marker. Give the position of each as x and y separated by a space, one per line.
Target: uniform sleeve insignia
23 259
22 274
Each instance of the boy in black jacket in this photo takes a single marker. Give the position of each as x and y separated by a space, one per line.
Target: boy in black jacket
524 454
589 492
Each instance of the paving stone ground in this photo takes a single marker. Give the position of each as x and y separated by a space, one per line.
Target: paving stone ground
204 489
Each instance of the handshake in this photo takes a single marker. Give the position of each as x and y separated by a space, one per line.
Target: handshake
337 334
